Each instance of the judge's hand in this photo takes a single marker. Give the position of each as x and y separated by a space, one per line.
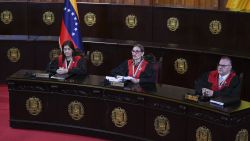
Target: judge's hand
62 71
136 81
207 92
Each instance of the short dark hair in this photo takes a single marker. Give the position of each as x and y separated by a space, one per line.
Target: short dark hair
68 43
139 46
226 58
71 45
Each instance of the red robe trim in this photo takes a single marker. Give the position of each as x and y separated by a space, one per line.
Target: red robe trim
142 69
213 79
61 63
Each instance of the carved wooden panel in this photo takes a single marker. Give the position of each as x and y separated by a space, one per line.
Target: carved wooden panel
45 18
13 18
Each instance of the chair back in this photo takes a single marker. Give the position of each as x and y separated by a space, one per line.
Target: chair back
241 77
156 64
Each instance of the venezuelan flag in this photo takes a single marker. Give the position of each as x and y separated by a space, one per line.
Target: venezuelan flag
70 25
248 6
236 5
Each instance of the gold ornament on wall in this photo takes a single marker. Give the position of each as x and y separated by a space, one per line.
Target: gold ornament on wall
131 21
6 17
173 23
162 125
54 53
242 135
203 134
96 58
181 65
13 54
90 19
76 110
34 105
215 27
48 17
119 117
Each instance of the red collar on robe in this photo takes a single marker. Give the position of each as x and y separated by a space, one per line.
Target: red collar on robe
213 79
141 69
61 63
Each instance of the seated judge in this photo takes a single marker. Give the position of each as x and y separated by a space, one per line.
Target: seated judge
219 83
69 62
140 70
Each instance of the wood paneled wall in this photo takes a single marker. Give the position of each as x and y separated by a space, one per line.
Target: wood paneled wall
201 4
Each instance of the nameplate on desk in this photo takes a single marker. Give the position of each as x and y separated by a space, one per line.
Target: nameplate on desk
117 84
192 97
42 75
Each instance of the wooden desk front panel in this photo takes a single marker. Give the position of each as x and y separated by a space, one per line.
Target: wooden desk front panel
133 106
93 114
215 126
99 103
177 125
135 119
18 108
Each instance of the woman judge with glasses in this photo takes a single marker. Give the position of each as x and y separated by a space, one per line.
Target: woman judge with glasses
220 82
70 62
139 70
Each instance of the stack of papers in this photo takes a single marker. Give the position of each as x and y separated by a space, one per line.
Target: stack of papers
113 79
118 78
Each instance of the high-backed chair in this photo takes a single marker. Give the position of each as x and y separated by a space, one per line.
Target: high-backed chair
241 76
156 64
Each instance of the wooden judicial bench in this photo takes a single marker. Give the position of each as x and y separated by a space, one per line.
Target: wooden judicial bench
90 106
29 40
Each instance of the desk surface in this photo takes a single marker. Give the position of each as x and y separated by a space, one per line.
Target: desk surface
159 91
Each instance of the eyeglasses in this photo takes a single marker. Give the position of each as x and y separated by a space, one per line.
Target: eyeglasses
220 65
135 51
66 49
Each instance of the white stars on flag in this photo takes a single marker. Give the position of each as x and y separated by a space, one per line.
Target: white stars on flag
74 25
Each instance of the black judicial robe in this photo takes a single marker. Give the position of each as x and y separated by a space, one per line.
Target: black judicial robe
78 67
148 75
210 80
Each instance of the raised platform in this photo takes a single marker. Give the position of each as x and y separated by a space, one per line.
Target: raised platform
136 112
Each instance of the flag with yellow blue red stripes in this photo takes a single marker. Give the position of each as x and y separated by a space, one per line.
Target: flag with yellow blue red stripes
70 25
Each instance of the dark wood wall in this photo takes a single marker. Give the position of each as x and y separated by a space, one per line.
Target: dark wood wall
192 41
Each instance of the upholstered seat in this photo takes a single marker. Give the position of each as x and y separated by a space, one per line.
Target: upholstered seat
156 64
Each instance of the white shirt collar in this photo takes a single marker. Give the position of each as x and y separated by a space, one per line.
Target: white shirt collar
224 77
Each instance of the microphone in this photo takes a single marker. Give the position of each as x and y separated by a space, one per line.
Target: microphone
49 70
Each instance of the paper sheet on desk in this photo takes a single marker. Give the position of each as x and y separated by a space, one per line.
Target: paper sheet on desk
113 79
127 78
118 78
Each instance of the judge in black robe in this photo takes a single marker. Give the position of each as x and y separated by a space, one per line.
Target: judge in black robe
138 68
219 83
69 62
